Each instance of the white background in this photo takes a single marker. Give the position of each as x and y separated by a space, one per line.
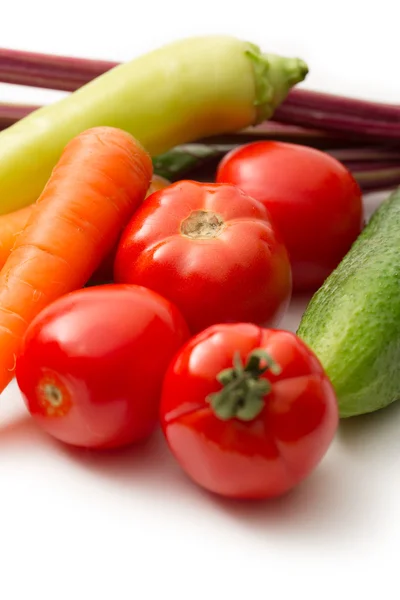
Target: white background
78 525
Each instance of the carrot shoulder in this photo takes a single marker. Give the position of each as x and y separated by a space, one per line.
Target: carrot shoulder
11 225
102 176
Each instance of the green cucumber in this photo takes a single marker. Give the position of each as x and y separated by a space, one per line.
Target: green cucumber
353 321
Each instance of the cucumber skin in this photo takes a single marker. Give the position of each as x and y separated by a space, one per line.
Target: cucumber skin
352 322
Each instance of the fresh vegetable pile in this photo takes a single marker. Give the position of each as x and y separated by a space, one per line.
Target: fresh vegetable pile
133 296
364 135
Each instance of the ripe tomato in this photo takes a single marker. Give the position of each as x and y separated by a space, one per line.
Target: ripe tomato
253 431
92 364
211 250
312 198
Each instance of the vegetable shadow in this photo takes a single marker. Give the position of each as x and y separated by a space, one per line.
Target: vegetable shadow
20 431
145 466
323 509
292 317
323 506
375 432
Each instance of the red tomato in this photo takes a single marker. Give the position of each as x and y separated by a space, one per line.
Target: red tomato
92 364
211 250
252 432
312 198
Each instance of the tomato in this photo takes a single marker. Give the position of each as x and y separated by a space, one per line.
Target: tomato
314 201
92 364
211 250
248 412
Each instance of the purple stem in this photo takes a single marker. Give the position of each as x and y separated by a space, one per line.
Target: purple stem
356 166
339 104
380 179
338 122
68 73
366 154
11 113
48 71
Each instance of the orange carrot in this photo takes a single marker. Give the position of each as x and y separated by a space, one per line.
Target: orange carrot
105 270
102 176
11 224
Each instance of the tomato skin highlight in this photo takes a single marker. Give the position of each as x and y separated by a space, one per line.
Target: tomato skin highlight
312 198
211 250
92 364
270 454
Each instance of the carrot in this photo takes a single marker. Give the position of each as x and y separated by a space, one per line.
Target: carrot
10 226
104 272
13 223
101 176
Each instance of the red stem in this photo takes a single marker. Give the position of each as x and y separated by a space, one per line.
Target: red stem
68 74
340 104
338 122
356 166
312 115
11 113
380 179
47 71
366 154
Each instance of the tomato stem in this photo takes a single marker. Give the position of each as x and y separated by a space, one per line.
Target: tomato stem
53 394
243 392
202 225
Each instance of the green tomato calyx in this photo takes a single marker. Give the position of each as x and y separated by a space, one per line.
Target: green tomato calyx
244 390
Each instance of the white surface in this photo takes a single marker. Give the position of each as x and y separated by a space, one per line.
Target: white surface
78 525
